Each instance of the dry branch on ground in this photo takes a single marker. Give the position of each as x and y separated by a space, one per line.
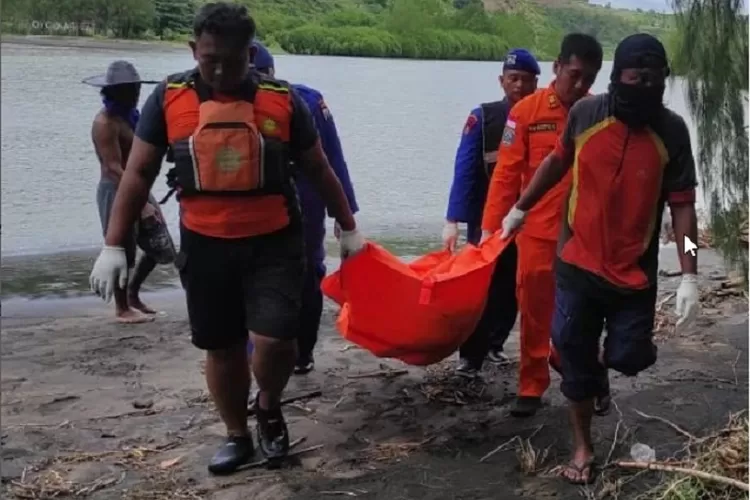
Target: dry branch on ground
443 386
715 467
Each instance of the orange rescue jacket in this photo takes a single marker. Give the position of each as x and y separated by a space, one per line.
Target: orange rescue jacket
531 132
225 198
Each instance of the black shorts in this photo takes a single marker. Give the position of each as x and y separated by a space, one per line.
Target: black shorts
238 285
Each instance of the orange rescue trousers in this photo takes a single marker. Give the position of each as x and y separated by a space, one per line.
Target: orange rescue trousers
535 291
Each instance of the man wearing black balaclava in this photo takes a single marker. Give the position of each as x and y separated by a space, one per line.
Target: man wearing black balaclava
637 81
629 155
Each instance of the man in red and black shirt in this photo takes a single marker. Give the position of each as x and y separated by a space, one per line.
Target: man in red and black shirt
629 155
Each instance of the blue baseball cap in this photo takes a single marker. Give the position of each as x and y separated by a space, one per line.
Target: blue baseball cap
263 59
521 60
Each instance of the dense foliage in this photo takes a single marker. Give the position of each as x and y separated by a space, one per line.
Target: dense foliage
427 29
711 52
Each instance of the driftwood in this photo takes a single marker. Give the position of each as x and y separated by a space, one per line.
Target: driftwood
706 476
287 401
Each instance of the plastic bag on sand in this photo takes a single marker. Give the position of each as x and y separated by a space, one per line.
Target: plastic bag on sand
419 312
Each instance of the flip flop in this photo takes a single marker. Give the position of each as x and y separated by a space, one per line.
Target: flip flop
589 464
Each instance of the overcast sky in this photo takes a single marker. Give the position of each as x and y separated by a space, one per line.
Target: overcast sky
657 5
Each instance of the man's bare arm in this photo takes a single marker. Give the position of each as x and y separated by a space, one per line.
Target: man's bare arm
316 167
142 168
107 145
679 185
685 223
549 173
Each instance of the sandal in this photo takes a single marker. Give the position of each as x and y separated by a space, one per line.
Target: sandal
575 474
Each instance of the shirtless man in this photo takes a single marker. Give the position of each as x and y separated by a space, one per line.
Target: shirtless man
112 135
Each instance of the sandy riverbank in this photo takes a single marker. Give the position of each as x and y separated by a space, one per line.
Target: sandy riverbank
116 412
66 274
96 43
92 43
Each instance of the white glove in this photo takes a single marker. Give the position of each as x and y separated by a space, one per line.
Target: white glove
351 242
450 236
512 221
110 267
688 301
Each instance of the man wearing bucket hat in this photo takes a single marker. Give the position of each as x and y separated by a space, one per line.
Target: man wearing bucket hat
629 155
475 159
313 211
112 135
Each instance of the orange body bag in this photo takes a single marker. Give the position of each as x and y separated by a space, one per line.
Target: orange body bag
420 312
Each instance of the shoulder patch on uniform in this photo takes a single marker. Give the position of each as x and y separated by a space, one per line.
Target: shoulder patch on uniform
553 101
470 122
543 127
509 133
324 109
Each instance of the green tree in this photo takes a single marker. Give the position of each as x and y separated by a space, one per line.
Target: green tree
173 17
131 18
77 11
405 16
711 51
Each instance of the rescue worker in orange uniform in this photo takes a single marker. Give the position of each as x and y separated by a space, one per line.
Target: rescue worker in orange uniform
530 134
231 134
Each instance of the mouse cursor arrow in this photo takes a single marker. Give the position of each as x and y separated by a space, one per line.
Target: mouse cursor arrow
689 246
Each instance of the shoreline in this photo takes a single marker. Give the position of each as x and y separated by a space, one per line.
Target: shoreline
100 43
65 275
83 42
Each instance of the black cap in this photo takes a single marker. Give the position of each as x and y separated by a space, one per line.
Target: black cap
639 51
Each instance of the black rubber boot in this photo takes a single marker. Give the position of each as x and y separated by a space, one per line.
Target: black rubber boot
526 406
272 433
468 369
236 451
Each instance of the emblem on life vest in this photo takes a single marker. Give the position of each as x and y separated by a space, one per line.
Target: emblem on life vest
553 103
269 126
228 160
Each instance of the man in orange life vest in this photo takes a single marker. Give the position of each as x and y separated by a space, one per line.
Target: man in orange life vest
231 134
530 134
629 155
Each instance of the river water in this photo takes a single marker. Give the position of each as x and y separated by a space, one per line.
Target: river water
399 121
